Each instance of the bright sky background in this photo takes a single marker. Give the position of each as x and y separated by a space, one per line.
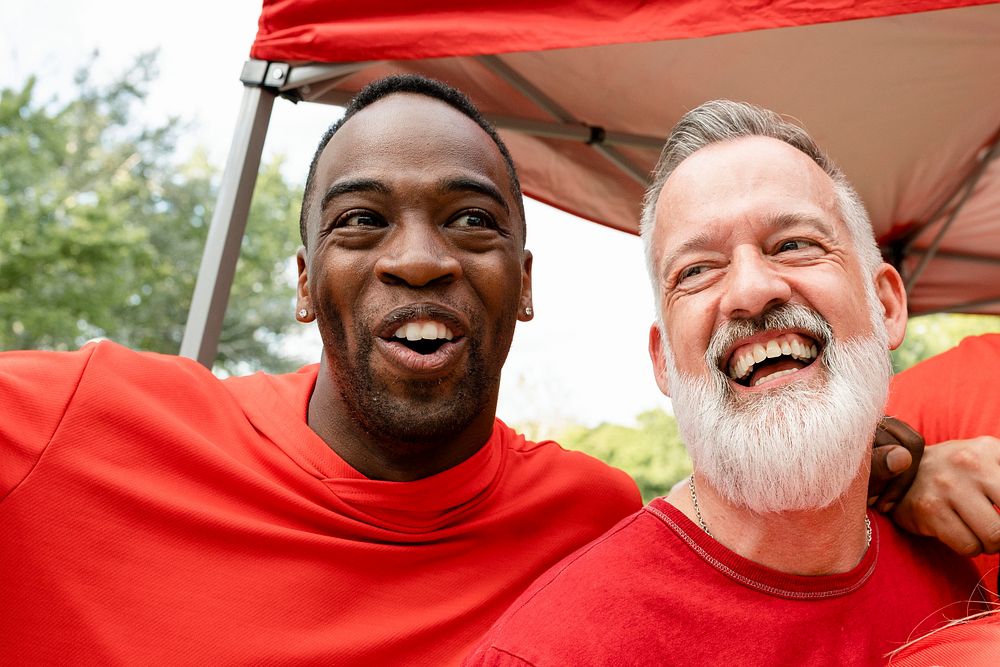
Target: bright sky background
583 358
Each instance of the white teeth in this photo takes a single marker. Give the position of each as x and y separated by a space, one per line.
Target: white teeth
424 330
741 366
775 376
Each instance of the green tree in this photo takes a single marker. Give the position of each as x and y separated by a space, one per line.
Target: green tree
651 451
102 229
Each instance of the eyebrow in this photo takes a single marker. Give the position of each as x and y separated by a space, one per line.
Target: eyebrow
350 186
785 220
779 221
355 185
481 187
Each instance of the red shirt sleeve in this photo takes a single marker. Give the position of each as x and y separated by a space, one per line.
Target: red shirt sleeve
953 395
35 390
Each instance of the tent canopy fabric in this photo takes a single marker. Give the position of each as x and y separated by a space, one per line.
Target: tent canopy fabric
905 96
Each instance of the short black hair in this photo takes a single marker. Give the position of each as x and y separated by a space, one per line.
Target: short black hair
418 85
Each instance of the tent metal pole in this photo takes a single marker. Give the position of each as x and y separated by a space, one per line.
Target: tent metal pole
959 256
222 248
969 187
526 88
963 307
568 131
910 237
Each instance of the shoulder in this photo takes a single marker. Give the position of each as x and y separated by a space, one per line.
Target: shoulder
970 354
915 561
565 469
604 579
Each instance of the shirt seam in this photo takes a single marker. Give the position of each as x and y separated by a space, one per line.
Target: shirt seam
55 429
756 585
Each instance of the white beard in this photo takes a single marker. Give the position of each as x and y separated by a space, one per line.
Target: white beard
795 447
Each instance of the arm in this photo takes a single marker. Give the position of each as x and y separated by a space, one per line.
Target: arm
953 399
955 494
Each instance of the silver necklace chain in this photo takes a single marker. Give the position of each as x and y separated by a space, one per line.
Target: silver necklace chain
704 526
697 508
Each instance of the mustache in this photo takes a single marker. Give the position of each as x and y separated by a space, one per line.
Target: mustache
786 316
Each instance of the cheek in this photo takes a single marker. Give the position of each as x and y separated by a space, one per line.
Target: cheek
691 319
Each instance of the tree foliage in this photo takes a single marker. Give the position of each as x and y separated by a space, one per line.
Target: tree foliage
103 229
651 451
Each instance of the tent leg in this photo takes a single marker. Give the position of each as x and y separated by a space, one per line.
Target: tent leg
222 248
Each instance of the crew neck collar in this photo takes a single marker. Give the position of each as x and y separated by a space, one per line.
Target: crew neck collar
277 405
760 577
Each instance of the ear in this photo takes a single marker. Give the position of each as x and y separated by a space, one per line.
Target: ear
891 294
658 358
302 299
524 306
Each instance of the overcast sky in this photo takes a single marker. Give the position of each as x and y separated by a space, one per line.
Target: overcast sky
582 359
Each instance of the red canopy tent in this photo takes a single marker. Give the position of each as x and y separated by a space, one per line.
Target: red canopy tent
905 96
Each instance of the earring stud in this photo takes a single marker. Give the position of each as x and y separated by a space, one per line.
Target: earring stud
528 311
303 312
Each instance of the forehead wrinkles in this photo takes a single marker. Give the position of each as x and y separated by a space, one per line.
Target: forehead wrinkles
721 188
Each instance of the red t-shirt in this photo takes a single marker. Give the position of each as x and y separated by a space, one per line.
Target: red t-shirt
972 644
954 396
657 590
152 514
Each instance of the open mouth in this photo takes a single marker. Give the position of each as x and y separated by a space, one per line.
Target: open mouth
763 361
424 337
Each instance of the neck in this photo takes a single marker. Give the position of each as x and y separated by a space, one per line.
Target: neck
830 540
384 457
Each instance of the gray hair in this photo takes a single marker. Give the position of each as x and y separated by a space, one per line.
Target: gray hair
723 120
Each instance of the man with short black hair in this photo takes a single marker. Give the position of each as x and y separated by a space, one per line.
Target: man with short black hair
368 510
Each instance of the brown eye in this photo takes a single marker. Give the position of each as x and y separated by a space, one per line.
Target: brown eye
473 219
794 244
360 219
692 271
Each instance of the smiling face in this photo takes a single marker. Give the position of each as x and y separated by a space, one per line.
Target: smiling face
777 360
415 270
744 227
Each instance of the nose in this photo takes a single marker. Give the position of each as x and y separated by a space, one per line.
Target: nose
418 255
753 285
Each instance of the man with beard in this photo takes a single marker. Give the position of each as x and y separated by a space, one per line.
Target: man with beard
368 510
775 316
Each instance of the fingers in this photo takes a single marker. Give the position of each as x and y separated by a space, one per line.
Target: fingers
903 434
933 518
955 495
895 459
954 532
891 477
